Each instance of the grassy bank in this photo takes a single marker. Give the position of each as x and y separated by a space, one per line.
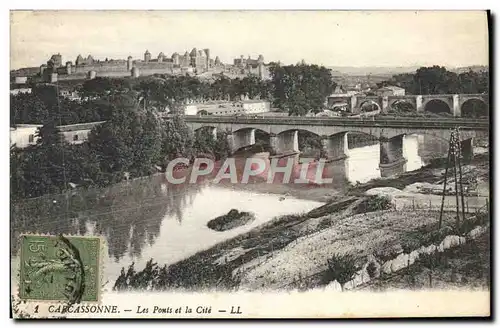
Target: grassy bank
466 266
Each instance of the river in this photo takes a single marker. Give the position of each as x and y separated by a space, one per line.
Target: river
149 218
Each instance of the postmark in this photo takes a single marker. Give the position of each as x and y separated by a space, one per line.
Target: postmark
59 268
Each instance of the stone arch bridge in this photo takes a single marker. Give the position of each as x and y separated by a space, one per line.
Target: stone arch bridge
283 133
419 103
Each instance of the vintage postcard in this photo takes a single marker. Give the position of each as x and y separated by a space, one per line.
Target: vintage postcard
249 164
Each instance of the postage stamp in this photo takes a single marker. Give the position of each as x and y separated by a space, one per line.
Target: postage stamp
58 268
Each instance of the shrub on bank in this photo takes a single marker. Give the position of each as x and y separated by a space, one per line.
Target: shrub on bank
342 268
374 203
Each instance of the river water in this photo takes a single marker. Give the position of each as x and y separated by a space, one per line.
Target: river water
149 218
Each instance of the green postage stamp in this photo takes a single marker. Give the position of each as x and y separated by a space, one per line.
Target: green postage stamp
58 268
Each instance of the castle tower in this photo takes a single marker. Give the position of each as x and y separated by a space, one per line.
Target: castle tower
68 67
79 60
129 63
217 61
42 69
147 56
57 60
207 54
175 58
260 59
261 71
160 57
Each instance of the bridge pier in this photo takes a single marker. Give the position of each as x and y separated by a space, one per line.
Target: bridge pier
335 147
242 138
467 149
419 104
354 103
385 104
392 160
456 110
285 143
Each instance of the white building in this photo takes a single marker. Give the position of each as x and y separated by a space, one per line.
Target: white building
77 133
228 108
24 135
20 90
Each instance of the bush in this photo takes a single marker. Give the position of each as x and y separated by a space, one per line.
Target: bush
324 223
374 203
341 268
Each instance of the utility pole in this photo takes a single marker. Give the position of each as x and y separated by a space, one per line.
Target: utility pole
454 154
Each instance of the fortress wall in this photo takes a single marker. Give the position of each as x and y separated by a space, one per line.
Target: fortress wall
101 67
77 76
113 74
153 65
145 72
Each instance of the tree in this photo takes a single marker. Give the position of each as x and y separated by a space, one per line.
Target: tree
27 108
177 139
300 88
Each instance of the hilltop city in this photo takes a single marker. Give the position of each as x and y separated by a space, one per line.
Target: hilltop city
196 62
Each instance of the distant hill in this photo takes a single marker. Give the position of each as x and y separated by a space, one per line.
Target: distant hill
373 70
475 68
389 71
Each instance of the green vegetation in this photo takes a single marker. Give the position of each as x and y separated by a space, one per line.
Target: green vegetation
374 203
438 80
132 143
341 268
300 88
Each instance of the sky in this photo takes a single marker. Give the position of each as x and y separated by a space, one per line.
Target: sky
330 38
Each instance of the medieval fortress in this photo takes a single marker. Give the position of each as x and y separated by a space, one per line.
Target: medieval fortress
197 62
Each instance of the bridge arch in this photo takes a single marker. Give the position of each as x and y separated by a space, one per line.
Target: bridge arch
474 108
402 105
369 106
204 127
437 106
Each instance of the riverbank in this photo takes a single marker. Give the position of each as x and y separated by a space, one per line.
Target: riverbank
292 251
467 266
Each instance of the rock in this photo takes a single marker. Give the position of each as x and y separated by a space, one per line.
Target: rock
386 267
430 249
399 262
383 191
440 248
455 241
334 286
451 241
474 233
446 243
462 240
364 276
358 278
349 285
414 256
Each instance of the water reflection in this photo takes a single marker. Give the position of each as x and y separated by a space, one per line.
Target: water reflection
148 218
127 214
